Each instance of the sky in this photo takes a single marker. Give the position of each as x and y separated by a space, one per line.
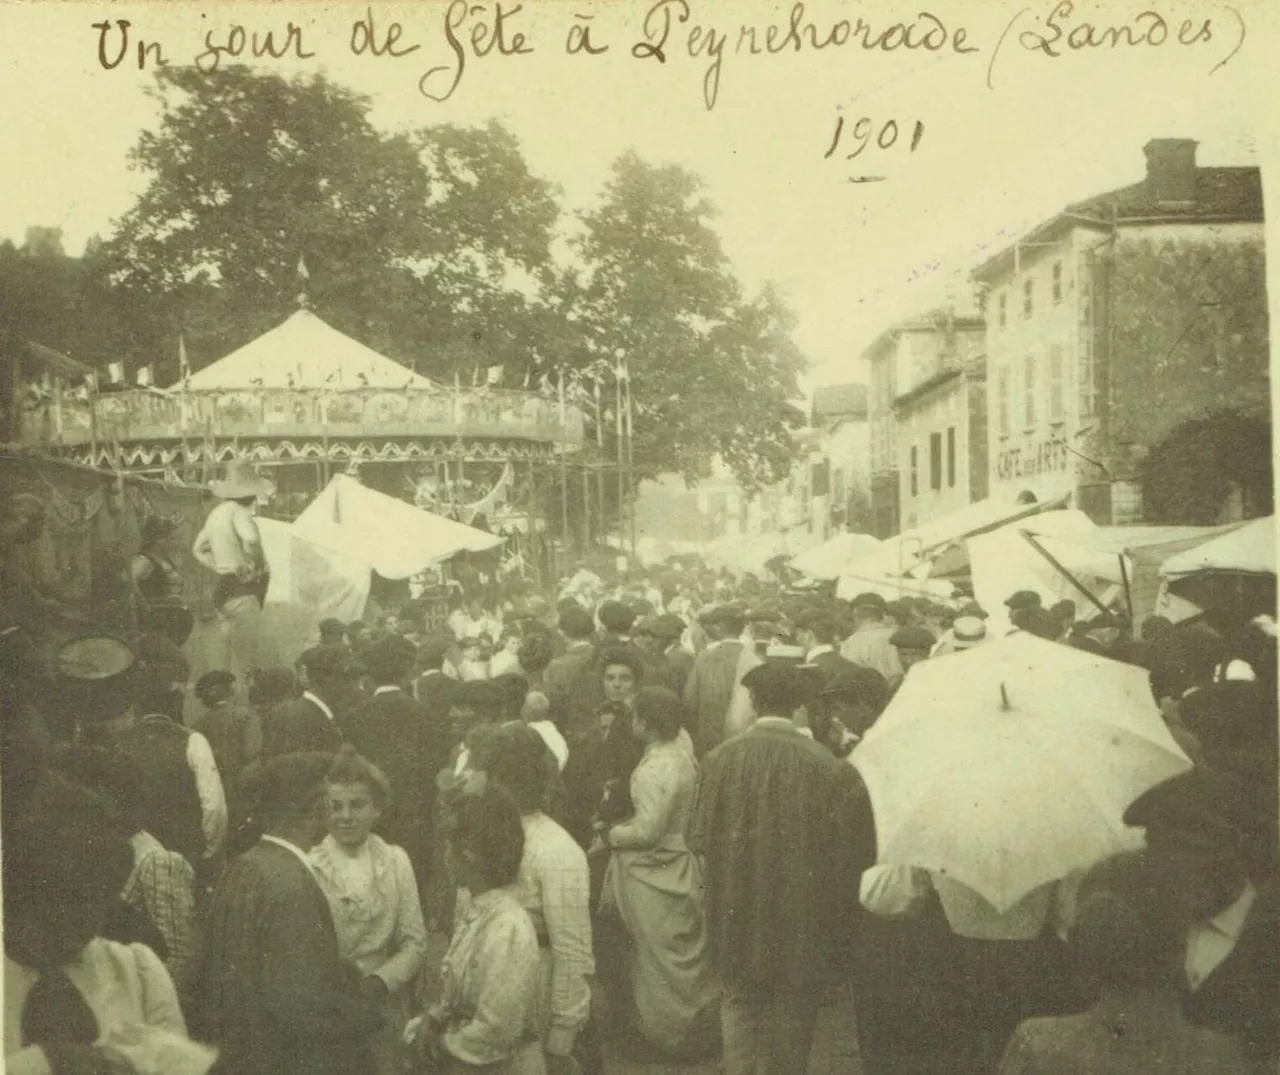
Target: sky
850 257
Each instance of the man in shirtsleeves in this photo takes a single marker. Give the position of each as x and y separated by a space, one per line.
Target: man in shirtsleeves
230 545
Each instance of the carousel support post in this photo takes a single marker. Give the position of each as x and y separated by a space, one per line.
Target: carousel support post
564 501
586 510
532 516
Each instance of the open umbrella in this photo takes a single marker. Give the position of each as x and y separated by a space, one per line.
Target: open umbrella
1010 765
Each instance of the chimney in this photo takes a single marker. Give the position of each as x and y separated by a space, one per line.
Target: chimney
1171 171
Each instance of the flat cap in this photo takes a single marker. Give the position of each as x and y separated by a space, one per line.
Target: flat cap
1023 599
912 638
214 680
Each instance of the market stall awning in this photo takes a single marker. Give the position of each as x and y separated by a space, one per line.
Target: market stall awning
1247 549
904 554
305 352
828 560
395 538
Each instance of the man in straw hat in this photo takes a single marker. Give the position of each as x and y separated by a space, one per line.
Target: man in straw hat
230 545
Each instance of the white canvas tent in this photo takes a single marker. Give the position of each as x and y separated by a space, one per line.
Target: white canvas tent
907 553
827 560
309 583
1249 549
304 352
392 536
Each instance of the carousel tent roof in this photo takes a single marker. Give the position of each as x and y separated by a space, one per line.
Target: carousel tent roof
395 538
304 352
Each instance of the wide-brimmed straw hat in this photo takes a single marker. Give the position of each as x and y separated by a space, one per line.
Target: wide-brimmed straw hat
241 480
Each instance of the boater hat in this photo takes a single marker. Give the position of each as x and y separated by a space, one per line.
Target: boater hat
241 480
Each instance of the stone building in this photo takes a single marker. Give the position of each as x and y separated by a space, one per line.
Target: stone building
926 418
1117 321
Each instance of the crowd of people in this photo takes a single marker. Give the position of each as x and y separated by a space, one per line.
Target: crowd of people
635 813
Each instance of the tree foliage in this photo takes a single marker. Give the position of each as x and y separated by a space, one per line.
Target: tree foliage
437 247
1188 477
712 372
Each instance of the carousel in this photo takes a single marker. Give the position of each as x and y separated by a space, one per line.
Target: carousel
304 402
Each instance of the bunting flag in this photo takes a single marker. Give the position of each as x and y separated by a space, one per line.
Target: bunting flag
115 370
143 377
302 269
494 375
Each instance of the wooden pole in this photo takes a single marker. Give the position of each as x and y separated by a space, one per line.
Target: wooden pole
631 460
586 509
602 529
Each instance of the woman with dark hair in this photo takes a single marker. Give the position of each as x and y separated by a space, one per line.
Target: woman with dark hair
73 1001
373 895
656 886
485 1015
601 759
273 992
1128 952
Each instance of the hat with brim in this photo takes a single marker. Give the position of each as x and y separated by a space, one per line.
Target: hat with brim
967 632
912 638
94 659
241 481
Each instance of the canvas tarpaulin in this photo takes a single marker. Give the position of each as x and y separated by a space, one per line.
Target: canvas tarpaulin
309 583
392 536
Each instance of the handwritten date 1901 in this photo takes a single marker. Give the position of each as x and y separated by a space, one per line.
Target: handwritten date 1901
865 133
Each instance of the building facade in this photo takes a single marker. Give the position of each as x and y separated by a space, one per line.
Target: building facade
925 419
833 482
1116 321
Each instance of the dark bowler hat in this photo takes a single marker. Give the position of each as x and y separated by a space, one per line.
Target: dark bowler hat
912 638
1023 599
870 600
332 627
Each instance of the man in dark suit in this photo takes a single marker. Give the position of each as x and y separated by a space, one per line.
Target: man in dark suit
434 690
1217 851
272 993
714 674
572 681
816 635
402 739
313 721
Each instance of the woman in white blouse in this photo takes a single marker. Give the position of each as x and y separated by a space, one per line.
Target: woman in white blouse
373 895
485 1017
